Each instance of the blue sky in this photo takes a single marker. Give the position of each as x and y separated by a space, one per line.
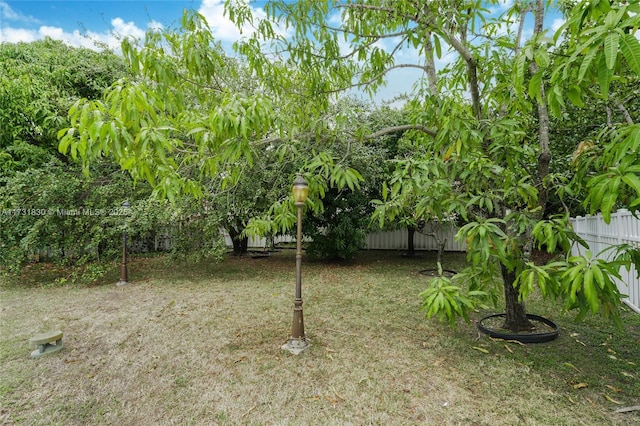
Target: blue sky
94 15
79 22
83 22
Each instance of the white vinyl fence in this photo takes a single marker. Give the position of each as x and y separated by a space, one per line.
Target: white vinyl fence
623 228
389 240
398 240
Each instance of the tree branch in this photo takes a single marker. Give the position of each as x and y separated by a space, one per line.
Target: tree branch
523 14
544 159
371 80
625 112
430 65
370 7
402 128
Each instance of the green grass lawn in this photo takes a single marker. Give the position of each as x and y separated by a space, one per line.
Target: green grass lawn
185 344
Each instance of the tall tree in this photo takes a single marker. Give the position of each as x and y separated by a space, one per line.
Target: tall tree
194 121
46 202
482 121
39 81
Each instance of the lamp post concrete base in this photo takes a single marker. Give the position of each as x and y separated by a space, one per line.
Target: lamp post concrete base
121 283
297 346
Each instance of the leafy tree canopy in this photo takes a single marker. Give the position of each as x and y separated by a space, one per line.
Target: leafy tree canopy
480 125
39 81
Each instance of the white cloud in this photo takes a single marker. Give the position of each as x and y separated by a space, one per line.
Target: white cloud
223 29
502 6
155 25
124 29
221 26
556 24
213 10
14 35
89 39
7 13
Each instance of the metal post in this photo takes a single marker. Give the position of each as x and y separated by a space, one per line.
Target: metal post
124 272
298 341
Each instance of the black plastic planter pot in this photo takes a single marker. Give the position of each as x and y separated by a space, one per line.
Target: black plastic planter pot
434 273
545 336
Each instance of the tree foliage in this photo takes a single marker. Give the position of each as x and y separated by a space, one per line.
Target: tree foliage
477 128
192 120
47 204
38 83
480 125
604 59
338 231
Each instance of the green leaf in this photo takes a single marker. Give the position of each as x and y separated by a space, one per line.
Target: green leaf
542 58
438 46
586 64
633 181
535 85
519 71
598 275
590 292
575 97
605 75
611 42
630 47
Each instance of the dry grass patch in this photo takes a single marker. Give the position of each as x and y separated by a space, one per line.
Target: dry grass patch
201 345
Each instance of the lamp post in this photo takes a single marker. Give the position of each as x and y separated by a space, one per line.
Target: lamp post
298 341
124 273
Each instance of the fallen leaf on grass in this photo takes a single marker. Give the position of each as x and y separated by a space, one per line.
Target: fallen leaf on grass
574 335
628 409
612 400
624 373
483 350
613 357
568 364
331 400
495 339
248 411
613 388
439 361
580 385
582 343
338 395
508 348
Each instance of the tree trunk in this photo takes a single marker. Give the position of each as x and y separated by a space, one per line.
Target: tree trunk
240 243
516 316
411 249
544 159
441 246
